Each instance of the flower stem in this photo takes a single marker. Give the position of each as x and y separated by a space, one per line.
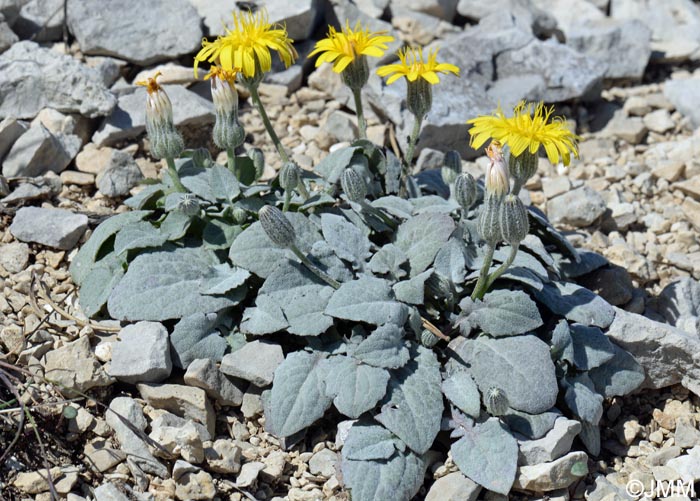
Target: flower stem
313 269
408 159
266 121
287 199
231 157
172 170
502 269
480 287
361 122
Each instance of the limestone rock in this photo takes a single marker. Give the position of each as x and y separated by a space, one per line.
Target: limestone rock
109 492
160 30
7 37
39 151
191 483
141 354
255 362
685 96
203 373
323 463
57 228
559 474
224 456
75 367
122 174
680 299
442 9
453 487
183 401
10 131
553 445
66 84
184 441
40 20
14 256
580 207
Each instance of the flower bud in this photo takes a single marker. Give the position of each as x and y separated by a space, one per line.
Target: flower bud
465 191
277 227
497 180
514 222
258 158
202 158
440 286
428 339
452 167
419 97
353 185
290 176
489 225
523 167
496 401
166 141
188 205
239 214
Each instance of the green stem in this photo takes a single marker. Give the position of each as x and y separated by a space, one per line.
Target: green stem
287 199
479 288
232 162
377 212
502 269
517 185
266 121
313 269
172 170
408 159
361 122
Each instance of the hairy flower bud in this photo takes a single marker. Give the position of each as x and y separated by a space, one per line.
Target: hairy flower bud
228 132
428 339
419 97
440 286
356 73
277 227
496 401
290 176
188 205
452 167
353 185
258 158
514 222
488 224
239 214
465 191
523 167
166 141
497 180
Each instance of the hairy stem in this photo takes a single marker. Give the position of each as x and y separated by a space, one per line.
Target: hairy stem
313 268
172 170
408 159
266 121
231 157
361 122
502 269
480 287
287 199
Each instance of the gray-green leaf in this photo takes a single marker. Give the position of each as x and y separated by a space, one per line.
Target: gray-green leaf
389 260
194 337
421 238
576 303
619 376
592 348
139 235
461 390
354 387
98 283
383 348
506 313
367 440
346 239
368 300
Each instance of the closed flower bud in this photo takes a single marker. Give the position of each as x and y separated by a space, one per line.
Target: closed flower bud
228 133
428 339
440 286
277 227
353 185
290 176
514 222
188 205
419 97
496 401
166 141
497 180
258 158
452 167
489 224
465 191
239 214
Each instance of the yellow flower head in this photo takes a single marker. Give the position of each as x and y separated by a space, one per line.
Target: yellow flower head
528 129
344 47
412 66
247 45
151 84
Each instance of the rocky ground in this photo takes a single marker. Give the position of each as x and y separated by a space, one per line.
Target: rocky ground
73 147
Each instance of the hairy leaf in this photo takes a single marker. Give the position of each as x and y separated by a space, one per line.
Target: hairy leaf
389 260
506 313
298 396
618 376
139 235
345 239
562 344
333 165
413 407
461 390
488 454
592 348
453 260
582 399
367 440
194 337
576 303
533 426
219 234
412 291
98 283
265 318
224 279
421 238
354 387
368 300
383 348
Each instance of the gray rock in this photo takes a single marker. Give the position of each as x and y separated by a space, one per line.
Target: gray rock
659 121
249 473
166 418
686 435
554 475
129 117
122 174
109 67
611 283
125 416
669 355
255 362
204 373
141 354
685 96
40 20
631 129
323 463
184 401
10 131
687 466
66 84
14 256
7 37
442 9
553 445
453 487
57 228
75 367
252 405
4 186
184 441
429 159
623 46
580 207
373 8
622 215
168 29
680 299
35 188
341 126
9 9
224 456
191 482
523 12
569 14
675 26
39 151
566 73
109 492
300 17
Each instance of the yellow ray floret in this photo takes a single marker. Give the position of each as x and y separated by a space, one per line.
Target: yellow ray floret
222 74
151 84
249 40
528 129
413 66
343 47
